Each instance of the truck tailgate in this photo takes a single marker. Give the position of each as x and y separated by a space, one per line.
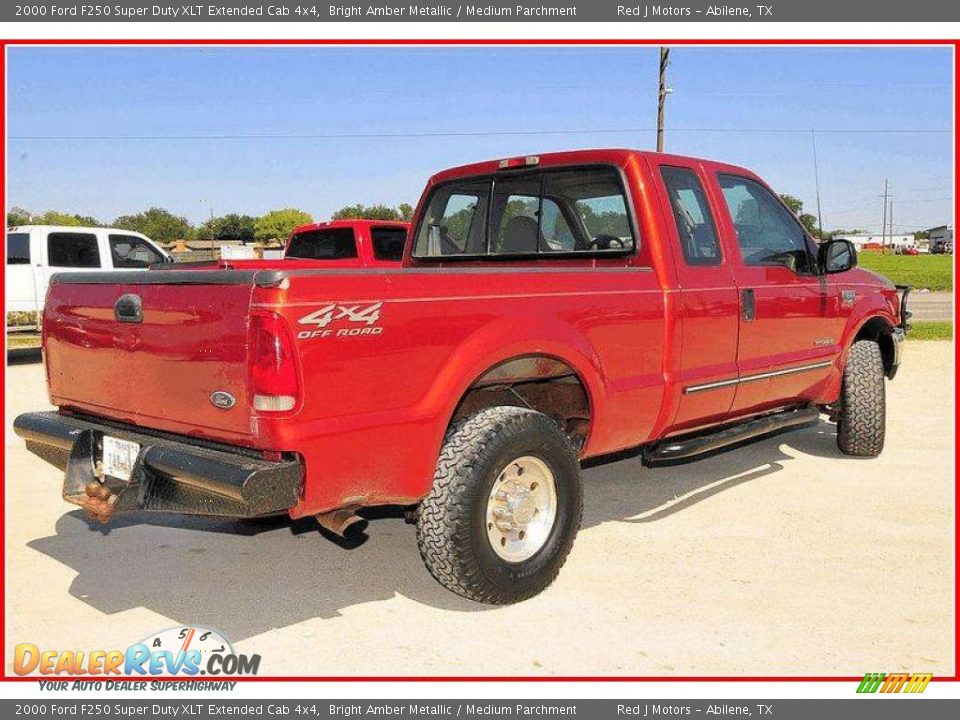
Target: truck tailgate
159 371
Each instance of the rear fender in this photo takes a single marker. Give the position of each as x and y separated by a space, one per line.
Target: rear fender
487 349
416 434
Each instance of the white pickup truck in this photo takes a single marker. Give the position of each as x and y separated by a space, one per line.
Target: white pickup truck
35 252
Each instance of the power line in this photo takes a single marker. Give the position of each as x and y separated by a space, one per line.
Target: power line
461 134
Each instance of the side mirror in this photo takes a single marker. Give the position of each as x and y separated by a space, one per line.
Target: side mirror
836 256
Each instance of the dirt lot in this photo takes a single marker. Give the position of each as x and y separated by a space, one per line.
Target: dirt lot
781 558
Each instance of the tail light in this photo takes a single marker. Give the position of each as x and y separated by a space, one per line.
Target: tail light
273 364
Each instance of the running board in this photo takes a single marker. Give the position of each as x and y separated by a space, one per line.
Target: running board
685 448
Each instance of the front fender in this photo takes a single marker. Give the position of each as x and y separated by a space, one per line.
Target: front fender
863 315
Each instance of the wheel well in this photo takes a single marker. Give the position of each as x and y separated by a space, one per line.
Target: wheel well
539 382
878 330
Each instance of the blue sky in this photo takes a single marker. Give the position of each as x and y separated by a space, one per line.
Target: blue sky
558 97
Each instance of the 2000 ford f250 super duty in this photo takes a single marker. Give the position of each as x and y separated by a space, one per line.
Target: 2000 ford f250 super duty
548 309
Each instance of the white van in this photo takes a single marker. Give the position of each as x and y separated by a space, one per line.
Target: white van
35 252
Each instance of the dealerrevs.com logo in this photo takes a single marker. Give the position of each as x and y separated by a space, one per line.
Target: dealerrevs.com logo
185 651
894 682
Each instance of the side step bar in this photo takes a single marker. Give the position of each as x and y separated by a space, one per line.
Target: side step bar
685 448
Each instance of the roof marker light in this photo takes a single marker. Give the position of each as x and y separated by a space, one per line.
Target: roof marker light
517 162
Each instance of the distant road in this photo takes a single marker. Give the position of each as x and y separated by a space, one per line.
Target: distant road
931 306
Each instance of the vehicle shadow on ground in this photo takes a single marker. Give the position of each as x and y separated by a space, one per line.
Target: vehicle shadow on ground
244 578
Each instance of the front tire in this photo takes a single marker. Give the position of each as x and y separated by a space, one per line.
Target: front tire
505 506
861 424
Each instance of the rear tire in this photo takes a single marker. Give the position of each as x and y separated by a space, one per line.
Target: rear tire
861 425
505 506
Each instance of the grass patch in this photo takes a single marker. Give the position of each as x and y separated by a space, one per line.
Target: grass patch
22 319
934 272
17 342
934 330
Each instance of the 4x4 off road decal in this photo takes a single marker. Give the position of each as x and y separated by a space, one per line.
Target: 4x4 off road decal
345 317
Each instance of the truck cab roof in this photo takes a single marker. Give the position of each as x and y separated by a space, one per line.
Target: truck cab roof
73 228
600 156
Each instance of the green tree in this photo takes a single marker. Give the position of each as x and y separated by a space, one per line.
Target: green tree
229 227
806 219
52 217
17 216
278 224
608 222
406 211
157 224
367 212
810 223
795 204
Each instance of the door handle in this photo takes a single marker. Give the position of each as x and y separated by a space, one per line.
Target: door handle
129 308
748 305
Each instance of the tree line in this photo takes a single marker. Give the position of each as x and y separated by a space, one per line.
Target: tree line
166 227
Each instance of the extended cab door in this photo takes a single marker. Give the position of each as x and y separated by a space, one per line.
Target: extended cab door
708 301
789 322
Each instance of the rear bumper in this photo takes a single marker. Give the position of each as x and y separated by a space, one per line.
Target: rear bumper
171 474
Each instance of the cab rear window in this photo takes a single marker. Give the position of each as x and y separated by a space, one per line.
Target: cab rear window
568 211
323 244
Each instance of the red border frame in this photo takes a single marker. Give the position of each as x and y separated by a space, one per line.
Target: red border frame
955 44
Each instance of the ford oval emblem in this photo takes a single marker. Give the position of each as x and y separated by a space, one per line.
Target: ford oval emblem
223 400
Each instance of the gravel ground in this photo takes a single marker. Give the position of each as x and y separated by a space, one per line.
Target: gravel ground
780 558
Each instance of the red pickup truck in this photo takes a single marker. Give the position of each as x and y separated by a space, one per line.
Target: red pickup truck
363 243
548 309
334 244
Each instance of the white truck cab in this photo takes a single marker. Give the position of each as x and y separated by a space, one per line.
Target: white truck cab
35 252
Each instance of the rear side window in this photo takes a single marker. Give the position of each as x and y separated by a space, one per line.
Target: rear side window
323 244
582 210
18 248
129 251
388 242
455 221
691 212
72 250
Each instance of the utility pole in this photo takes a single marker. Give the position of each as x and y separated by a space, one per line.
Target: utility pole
662 95
883 234
892 245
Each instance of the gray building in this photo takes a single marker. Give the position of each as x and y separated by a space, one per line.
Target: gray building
940 239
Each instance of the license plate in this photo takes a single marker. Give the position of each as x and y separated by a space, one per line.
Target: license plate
119 457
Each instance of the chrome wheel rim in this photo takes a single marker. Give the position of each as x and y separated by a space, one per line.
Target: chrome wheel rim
521 509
